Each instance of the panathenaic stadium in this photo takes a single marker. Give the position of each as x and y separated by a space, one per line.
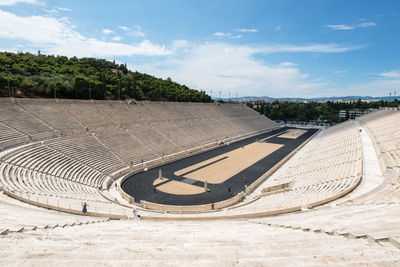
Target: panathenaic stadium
213 184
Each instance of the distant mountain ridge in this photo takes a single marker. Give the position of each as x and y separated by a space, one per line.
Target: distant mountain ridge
315 99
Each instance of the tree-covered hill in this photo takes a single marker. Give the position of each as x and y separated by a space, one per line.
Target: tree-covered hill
28 75
313 111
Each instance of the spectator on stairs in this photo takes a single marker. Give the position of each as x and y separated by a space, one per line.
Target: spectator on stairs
84 207
135 215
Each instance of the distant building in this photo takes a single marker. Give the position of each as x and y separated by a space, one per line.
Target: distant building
351 114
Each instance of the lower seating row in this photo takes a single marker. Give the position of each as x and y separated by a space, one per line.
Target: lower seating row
214 243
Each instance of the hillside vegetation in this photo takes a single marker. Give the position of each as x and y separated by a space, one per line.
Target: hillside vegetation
315 111
28 75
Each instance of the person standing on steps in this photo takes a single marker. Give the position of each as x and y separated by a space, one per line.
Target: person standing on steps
229 190
135 215
84 207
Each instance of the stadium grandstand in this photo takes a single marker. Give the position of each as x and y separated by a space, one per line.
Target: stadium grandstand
213 183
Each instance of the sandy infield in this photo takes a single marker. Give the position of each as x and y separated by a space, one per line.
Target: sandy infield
292 133
229 163
176 187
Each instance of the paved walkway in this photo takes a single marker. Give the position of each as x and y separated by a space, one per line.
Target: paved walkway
372 175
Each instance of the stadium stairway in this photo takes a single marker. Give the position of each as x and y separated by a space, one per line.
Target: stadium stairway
217 243
18 217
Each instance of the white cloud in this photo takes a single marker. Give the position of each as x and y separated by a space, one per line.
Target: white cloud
228 35
59 36
234 36
229 67
57 10
366 24
137 31
288 64
14 2
246 30
124 28
117 38
222 34
351 27
213 65
340 27
339 72
377 87
180 43
394 74
278 28
107 31
64 9
313 48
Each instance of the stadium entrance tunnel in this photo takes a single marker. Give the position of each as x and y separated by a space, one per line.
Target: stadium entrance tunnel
215 175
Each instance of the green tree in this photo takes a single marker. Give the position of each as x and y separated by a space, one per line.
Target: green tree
39 75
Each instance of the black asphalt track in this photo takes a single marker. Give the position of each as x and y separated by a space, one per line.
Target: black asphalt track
140 185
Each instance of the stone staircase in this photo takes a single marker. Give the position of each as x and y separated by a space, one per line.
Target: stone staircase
18 217
217 243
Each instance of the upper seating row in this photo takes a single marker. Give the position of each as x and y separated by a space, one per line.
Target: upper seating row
25 120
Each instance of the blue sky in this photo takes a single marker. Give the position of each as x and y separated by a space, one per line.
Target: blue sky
259 48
